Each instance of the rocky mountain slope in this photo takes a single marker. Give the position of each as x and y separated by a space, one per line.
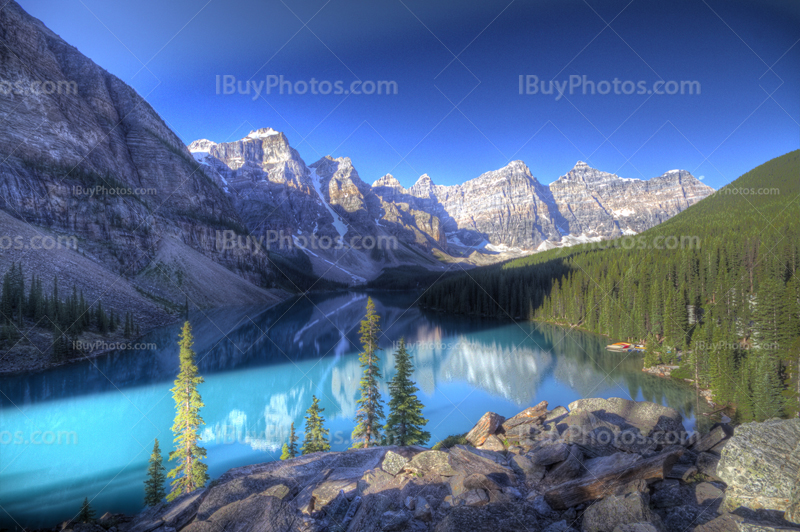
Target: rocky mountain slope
500 214
602 465
84 158
322 211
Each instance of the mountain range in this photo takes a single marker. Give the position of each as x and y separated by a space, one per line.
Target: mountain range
500 214
160 225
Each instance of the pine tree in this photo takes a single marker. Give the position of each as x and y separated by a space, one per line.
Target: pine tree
189 473
285 452
86 515
316 435
292 447
652 355
405 423
154 491
370 410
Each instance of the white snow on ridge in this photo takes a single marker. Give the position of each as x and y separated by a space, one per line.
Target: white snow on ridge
338 223
201 145
502 248
624 212
200 157
261 134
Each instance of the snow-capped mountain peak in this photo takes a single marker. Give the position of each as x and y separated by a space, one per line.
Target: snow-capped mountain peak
261 133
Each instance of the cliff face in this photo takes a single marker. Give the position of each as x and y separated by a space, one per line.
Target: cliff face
83 155
597 203
339 222
506 207
266 181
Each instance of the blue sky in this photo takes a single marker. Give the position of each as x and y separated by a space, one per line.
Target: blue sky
458 110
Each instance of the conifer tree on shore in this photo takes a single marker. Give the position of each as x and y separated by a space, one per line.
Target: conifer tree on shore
316 435
154 491
190 473
370 408
405 423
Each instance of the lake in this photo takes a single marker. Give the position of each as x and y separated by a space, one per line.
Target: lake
87 429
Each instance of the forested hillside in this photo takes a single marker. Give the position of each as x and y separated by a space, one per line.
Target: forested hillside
716 284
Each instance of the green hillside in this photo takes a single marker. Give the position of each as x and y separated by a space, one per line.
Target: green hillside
718 281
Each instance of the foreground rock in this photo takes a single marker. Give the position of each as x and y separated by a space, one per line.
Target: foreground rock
603 466
760 465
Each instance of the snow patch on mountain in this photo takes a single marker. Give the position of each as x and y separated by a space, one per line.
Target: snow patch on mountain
261 133
338 224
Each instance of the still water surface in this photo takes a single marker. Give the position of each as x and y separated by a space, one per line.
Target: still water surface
261 368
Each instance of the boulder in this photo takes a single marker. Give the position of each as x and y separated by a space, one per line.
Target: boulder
667 497
436 462
466 462
477 481
592 434
555 414
707 464
393 463
714 437
394 520
502 517
486 426
636 527
723 523
760 464
649 418
540 505
422 509
533 415
530 471
475 497
176 514
569 469
678 517
707 493
493 443
548 454
682 472
559 526
613 511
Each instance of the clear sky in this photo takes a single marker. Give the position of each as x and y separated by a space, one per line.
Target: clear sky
458 111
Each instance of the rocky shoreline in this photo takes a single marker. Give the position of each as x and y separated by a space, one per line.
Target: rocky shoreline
600 465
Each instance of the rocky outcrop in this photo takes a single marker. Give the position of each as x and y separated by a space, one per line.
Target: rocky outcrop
542 483
760 465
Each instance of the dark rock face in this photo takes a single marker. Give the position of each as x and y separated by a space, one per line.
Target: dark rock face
93 160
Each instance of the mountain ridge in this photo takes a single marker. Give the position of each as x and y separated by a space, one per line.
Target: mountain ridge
497 215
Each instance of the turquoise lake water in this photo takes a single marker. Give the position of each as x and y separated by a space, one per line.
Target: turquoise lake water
261 368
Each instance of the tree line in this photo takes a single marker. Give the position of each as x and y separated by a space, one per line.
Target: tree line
727 312
67 316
